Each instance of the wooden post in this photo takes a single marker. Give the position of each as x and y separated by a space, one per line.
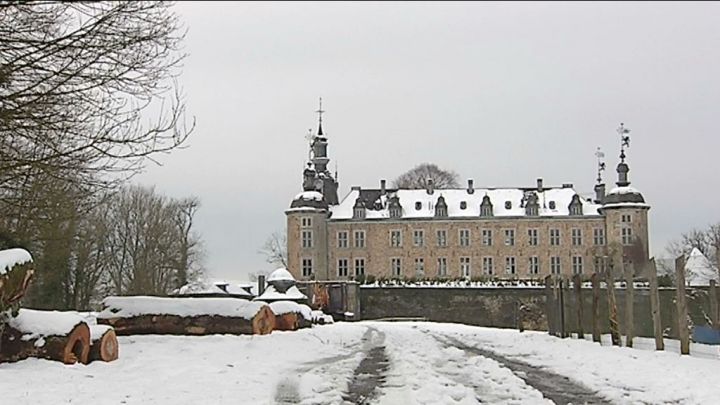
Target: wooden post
655 305
596 308
550 305
683 333
629 296
562 308
714 305
577 285
612 306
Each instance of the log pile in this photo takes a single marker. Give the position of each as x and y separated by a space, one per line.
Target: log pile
48 335
186 316
291 315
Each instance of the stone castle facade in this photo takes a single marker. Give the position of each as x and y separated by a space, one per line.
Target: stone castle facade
471 233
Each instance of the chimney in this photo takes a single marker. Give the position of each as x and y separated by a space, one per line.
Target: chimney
354 188
567 185
539 185
261 284
599 193
470 189
430 186
382 187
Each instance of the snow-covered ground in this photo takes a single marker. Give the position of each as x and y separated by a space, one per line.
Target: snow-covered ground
423 363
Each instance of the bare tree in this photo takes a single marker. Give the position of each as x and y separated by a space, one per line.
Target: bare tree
77 83
416 178
275 249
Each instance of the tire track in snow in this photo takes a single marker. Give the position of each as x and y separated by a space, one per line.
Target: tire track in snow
558 388
370 373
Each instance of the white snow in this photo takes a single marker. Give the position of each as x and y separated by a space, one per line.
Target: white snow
315 366
96 331
10 258
284 307
454 197
280 274
309 195
698 269
624 190
271 293
125 307
218 287
35 324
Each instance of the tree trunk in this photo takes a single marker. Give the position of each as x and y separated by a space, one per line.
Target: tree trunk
261 324
68 349
655 306
104 344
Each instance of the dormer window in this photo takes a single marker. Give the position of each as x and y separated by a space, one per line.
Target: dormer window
441 208
508 204
418 205
532 207
358 210
395 208
551 204
486 207
575 207
463 205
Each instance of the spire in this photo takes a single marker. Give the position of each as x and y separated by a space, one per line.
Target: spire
622 167
320 112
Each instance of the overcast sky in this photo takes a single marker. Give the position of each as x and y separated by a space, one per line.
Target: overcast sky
499 92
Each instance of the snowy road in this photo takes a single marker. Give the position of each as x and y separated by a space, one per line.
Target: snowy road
368 362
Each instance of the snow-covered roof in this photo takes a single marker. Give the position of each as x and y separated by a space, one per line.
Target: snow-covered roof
280 274
454 198
272 294
624 197
12 257
218 287
125 307
698 269
309 195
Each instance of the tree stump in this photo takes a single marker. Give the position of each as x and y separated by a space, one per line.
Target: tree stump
103 344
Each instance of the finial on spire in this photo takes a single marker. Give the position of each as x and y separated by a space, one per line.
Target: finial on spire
624 141
601 165
320 112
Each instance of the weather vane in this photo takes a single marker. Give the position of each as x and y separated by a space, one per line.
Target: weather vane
601 165
320 112
624 141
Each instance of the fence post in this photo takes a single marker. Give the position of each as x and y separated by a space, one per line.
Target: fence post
629 296
562 308
714 305
596 308
682 306
577 285
550 305
612 306
655 305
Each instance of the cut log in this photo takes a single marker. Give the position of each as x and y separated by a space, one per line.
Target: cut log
103 344
44 334
291 315
186 316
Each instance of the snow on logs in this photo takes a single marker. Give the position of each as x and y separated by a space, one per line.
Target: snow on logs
52 335
186 316
290 315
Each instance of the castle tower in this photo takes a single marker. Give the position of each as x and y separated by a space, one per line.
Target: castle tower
626 216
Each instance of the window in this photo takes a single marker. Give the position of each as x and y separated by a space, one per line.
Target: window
395 211
358 212
551 204
487 265
533 265
533 237
306 222
576 234
418 237
396 238
599 264
359 267
598 236
442 266
396 266
577 264
307 268
418 205
627 237
419 267
441 237
575 208
509 237
626 218
342 268
464 237
342 239
487 237
508 205
307 238
555 265
554 237
463 205
465 267
360 239
510 265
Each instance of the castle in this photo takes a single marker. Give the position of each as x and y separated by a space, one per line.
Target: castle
471 233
